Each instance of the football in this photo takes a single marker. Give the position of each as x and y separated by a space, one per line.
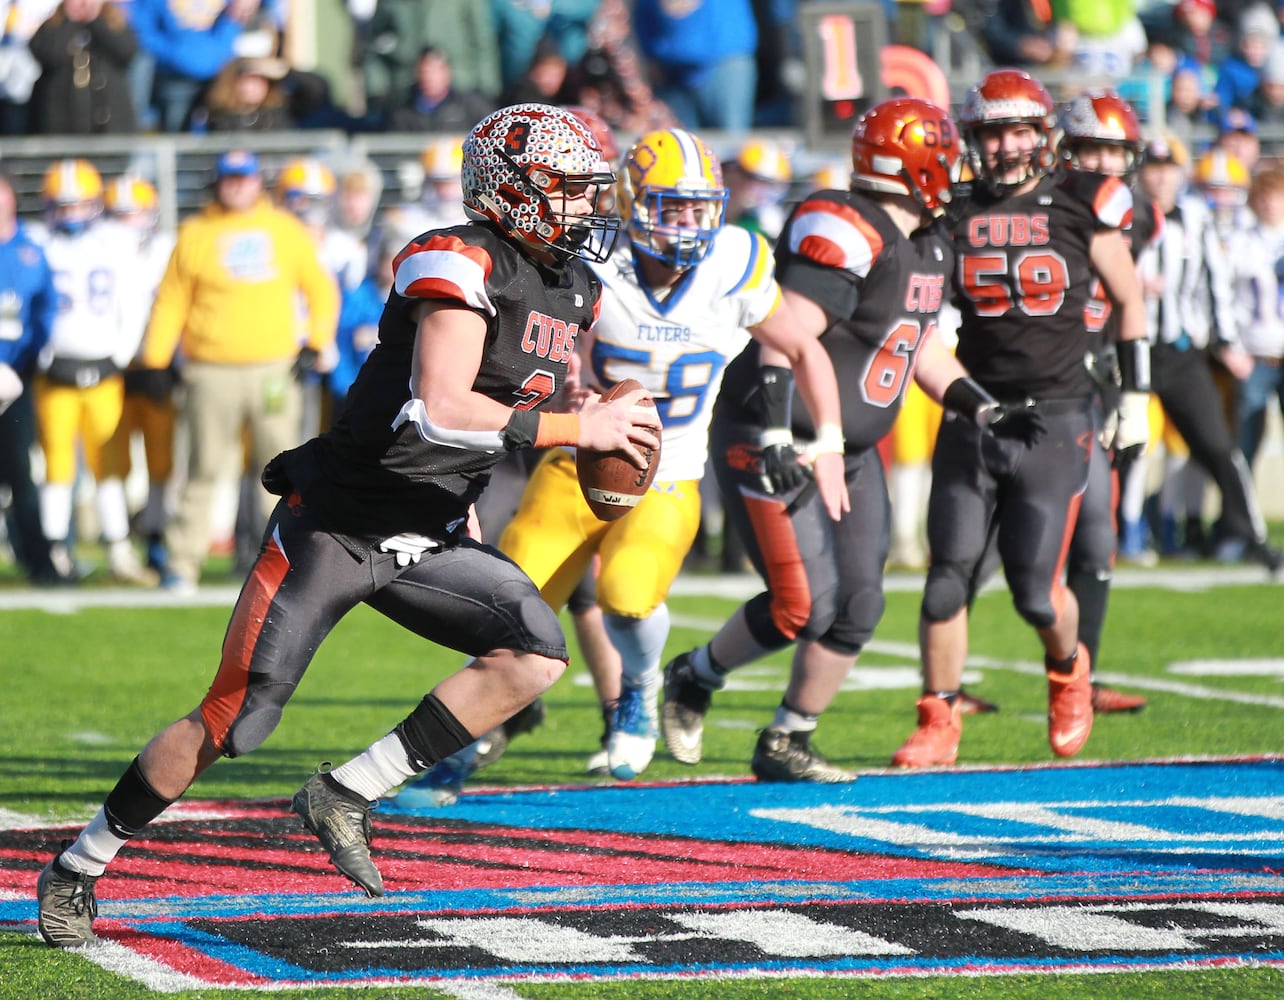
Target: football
611 484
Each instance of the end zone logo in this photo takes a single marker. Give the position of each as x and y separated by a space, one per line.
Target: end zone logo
1050 869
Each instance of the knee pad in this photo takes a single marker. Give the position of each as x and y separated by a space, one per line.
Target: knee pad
258 717
945 593
762 625
855 625
1037 613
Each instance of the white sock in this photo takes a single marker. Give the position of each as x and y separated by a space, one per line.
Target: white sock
1170 492
706 673
790 721
94 849
113 511
909 487
1132 501
55 511
376 771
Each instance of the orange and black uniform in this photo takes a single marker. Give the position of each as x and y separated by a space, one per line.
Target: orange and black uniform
364 481
824 578
1023 280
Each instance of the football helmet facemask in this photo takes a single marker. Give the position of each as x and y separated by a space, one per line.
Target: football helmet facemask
1100 118
666 173
907 146
1008 97
537 171
73 195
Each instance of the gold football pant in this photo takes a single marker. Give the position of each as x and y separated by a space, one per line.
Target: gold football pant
554 536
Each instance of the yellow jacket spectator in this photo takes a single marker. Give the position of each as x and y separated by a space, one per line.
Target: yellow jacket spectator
229 306
228 295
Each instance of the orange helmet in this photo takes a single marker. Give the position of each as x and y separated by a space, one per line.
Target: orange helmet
1006 97
73 194
907 145
1100 117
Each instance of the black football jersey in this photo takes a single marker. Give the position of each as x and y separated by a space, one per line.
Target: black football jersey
1146 230
375 481
1024 278
843 251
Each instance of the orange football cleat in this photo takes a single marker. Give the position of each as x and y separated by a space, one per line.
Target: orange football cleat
1105 699
936 740
1070 706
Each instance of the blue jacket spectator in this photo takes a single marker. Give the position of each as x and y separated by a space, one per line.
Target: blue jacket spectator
520 24
1239 75
704 55
189 43
28 303
357 335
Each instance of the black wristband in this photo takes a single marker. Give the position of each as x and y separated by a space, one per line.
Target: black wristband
776 390
965 396
1134 365
521 429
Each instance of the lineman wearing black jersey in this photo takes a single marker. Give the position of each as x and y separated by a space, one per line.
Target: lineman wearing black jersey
867 269
1028 246
473 342
1100 134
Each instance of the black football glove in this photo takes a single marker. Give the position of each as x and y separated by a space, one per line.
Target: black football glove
781 470
157 384
305 364
1013 421
1016 421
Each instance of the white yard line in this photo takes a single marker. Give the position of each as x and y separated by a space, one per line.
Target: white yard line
732 586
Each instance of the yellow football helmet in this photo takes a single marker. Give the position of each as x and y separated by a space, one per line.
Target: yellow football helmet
672 196
1219 169
443 158
832 177
765 160
305 187
73 195
134 202
130 194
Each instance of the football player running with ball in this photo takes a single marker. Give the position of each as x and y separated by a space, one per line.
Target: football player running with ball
681 299
1029 243
867 269
375 510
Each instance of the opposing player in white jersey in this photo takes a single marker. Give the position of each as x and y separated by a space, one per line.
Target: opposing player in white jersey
680 301
149 409
80 392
